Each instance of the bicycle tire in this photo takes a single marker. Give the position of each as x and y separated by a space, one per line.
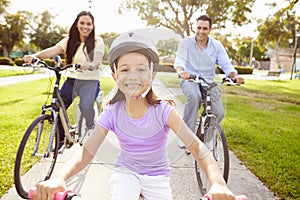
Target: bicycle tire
222 157
81 123
31 169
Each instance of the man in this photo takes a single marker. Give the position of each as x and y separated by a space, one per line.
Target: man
198 55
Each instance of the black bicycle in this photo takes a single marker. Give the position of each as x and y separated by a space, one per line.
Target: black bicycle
38 150
210 132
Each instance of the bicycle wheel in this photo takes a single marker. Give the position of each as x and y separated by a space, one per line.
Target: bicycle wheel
34 162
219 148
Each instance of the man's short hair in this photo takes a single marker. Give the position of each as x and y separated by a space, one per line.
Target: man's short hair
205 18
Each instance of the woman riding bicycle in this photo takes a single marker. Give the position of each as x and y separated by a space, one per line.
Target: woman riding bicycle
82 47
141 122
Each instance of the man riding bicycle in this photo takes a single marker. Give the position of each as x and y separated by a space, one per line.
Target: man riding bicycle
198 55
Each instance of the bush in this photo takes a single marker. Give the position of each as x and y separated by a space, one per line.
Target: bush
49 62
240 69
19 61
166 67
6 61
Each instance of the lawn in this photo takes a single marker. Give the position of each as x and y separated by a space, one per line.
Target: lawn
262 126
5 73
19 105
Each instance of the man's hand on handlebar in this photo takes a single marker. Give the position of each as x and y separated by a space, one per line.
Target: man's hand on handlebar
239 80
184 75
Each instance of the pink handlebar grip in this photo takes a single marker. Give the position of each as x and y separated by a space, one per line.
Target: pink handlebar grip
240 197
58 196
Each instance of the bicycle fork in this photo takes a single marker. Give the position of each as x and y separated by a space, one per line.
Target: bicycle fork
211 135
51 139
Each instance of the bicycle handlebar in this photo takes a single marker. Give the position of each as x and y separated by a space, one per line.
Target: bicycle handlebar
226 80
66 195
37 61
240 197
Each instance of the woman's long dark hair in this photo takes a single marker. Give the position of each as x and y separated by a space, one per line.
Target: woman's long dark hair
74 39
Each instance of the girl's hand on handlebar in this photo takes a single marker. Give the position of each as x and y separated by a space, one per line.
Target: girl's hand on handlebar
48 189
219 192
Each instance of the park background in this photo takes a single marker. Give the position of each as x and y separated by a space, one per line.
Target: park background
265 41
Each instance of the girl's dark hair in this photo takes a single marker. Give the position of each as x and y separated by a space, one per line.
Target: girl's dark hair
74 39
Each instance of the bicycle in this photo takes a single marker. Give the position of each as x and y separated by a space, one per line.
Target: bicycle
210 132
38 149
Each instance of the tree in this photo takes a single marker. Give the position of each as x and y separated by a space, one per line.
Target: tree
167 47
46 33
278 29
244 49
12 31
179 15
108 38
3 5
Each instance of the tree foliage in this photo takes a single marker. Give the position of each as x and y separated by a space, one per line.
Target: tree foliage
13 31
108 38
179 15
167 47
279 28
3 5
46 33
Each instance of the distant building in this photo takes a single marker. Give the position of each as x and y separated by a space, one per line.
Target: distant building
286 58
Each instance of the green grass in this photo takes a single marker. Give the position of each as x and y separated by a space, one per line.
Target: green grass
19 105
5 73
262 126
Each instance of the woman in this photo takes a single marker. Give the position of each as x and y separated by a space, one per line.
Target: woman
82 47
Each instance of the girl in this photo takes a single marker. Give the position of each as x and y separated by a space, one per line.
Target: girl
141 123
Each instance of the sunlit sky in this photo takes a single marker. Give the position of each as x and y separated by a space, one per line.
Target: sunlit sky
106 14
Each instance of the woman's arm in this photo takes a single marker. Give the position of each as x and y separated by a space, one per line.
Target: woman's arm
46 53
95 64
202 155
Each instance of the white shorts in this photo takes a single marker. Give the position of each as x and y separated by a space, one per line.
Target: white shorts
128 185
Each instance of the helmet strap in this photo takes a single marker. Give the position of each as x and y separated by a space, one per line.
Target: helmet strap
150 81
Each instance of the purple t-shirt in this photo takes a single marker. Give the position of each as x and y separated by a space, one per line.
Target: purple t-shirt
143 141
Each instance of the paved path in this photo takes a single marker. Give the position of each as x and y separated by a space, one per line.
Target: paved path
92 182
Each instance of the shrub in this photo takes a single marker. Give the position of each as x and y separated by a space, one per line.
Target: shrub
240 69
6 61
166 67
19 61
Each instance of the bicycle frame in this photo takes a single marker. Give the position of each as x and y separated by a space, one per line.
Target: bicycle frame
58 110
